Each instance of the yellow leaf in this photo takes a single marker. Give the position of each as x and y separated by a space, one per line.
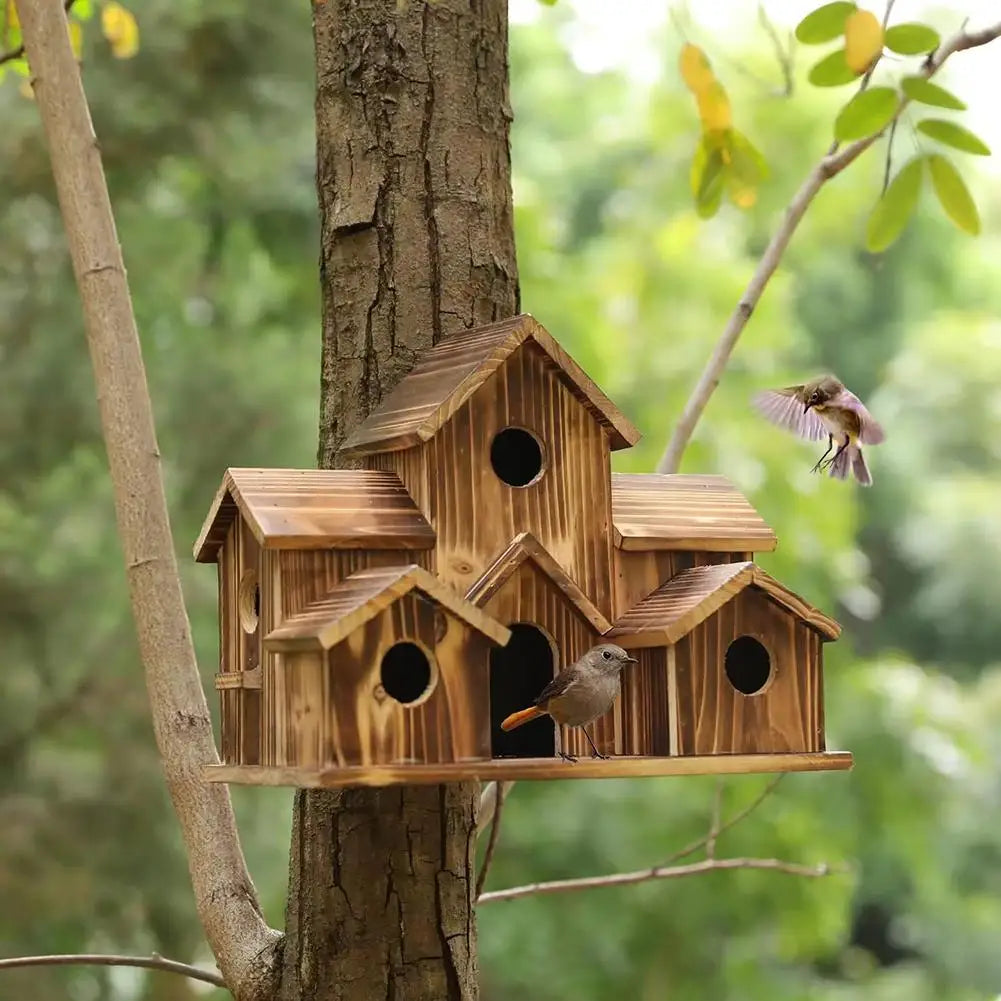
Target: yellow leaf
27 90
714 108
695 68
121 30
12 19
863 40
742 196
76 38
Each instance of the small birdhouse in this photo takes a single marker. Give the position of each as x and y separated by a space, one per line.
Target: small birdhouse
377 625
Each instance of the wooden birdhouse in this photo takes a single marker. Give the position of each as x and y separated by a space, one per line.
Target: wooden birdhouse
376 625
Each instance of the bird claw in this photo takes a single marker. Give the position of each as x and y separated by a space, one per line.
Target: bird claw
568 757
598 754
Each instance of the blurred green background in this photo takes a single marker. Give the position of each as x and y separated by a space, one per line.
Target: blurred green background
207 137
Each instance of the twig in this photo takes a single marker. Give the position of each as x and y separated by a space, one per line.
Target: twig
659 872
488 855
889 155
10 56
698 843
225 898
830 166
488 803
714 819
784 56
153 962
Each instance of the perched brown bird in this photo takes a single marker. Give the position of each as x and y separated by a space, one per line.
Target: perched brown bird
580 693
823 408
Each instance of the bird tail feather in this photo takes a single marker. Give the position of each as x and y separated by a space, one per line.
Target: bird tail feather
851 460
524 716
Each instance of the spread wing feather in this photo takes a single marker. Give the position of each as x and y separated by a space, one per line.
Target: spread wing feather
783 408
871 432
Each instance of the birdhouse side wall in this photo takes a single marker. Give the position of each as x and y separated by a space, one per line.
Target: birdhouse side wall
786 715
298 577
475 513
332 709
643 711
239 569
638 573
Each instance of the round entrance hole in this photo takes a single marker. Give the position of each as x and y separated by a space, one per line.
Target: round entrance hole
407 673
517 457
249 602
748 665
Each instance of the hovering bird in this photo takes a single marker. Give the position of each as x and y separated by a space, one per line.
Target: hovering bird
580 693
823 408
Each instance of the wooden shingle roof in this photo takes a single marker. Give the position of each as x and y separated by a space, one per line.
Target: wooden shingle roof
315 509
526 547
359 598
690 597
451 372
683 511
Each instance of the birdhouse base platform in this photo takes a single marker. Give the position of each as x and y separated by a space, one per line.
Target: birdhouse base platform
523 769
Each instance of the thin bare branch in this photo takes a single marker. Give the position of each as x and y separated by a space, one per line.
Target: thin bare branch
488 803
226 900
828 167
660 872
714 819
153 962
488 855
889 155
782 54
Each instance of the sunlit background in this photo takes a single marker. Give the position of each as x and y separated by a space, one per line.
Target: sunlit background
207 136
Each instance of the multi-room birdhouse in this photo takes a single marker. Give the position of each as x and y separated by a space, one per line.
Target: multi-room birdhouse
376 625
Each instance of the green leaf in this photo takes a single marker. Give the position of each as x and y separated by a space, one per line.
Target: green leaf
832 71
707 177
824 24
911 39
953 135
893 210
867 112
953 194
917 88
746 160
83 10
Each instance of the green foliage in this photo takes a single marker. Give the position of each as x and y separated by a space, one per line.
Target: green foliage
895 208
911 39
917 88
867 112
954 195
824 24
832 71
954 135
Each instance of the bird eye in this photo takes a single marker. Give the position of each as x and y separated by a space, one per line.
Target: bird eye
607 654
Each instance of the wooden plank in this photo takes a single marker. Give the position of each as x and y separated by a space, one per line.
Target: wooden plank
528 769
523 547
813 617
645 704
315 509
453 371
681 511
239 679
357 599
714 718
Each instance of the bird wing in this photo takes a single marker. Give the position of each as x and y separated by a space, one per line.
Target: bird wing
558 686
871 431
783 408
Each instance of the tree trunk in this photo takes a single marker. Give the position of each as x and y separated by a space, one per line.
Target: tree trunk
414 184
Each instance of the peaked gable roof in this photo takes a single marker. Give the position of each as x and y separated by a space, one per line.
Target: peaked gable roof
315 509
363 595
451 372
684 511
689 598
526 547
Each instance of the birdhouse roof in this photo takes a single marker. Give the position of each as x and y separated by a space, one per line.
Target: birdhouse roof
689 598
359 598
682 511
315 509
451 372
526 547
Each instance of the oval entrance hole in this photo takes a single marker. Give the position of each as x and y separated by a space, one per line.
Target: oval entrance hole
748 665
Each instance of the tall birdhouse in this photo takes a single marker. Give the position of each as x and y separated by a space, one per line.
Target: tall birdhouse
376 625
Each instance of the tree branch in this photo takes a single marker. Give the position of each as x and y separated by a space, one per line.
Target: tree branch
225 897
828 167
488 855
153 962
12 54
714 819
659 872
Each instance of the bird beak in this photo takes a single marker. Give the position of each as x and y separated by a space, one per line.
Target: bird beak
806 408
631 660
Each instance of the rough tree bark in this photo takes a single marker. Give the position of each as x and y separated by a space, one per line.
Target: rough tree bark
414 186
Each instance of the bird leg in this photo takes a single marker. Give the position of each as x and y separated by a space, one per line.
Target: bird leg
834 458
597 753
830 445
567 757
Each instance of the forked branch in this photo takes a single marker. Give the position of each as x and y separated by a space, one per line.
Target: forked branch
225 897
828 167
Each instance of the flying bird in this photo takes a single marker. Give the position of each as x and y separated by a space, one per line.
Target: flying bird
823 408
580 693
